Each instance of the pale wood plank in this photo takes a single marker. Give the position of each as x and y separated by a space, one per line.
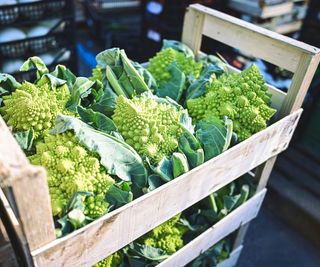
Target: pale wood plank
245 213
192 29
252 8
240 235
29 186
262 43
263 172
300 83
114 230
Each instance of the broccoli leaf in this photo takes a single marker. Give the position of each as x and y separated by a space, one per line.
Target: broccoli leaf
117 197
116 156
154 181
64 73
176 45
37 63
8 84
164 169
174 88
25 139
214 137
96 119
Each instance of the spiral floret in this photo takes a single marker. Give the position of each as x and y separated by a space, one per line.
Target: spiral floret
34 107
158 65
151 128
167 236
113 260
72 168
242 97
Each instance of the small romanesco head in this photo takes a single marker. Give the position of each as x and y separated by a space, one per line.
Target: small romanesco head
242 97
34 107
167 236
153 129
158 65
113 260
72 168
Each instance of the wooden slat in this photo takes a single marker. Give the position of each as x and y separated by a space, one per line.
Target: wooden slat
113 231
275 48
30 190
252 8
192 29
300 83
217 232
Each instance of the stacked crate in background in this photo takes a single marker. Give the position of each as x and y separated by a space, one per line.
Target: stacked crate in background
163 19
36 28
115 24
282 16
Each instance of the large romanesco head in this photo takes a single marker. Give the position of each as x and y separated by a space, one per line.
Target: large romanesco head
113 260
72 168
167 236
242 97
153 129
34 107
158 65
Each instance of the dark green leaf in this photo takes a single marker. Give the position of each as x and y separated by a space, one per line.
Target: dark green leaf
64 73
96 119
116 156
117 197
37 63
215 138
164 169
154 182
174 88
176 45
25 139
190 146
106 103
8 84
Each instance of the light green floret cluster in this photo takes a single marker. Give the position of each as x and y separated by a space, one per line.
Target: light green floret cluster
113 260
167 236
242 97
34 107
96 74
153 129
72 168
158 65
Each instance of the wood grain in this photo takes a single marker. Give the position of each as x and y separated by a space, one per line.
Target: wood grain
272 47
115 230
217 232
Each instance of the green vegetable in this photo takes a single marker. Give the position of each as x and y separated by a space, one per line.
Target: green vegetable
72 168
241 97
152 128
167 236
179 163
159 64
34 107
76 218
113 260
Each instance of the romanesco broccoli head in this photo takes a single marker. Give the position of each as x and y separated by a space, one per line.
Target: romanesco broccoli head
242 97
72 168
153 129
113 260
158 65
34 107
167 236
96 74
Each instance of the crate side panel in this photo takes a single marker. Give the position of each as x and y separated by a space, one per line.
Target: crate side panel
217 232
113 231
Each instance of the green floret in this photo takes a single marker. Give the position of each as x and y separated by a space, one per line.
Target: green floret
242 97
167 236
113 260
72 168
153 129
34 107
96 74
158 65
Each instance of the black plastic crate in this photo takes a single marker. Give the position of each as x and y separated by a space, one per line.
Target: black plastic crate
102 6
58 37
34 11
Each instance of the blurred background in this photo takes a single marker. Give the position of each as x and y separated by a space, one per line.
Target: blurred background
287 231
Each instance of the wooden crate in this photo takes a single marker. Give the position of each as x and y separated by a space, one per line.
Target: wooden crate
259 9
88 245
